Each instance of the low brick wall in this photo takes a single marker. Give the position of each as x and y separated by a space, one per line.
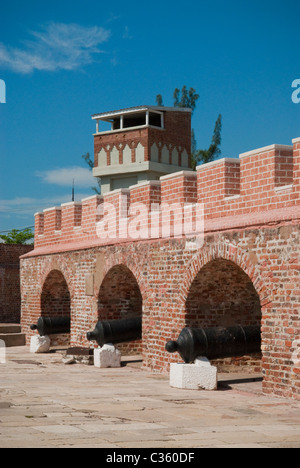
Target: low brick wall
10 295
245 273
241 277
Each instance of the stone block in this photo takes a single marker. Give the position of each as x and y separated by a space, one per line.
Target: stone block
199 375
2 352
40 344
107 356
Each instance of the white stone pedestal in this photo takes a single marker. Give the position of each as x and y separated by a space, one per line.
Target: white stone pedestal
40 344
2 352
107 356
200 375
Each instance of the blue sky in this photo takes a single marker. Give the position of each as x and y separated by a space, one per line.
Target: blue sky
64 61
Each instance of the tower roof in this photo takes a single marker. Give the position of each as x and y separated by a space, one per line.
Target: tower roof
129 110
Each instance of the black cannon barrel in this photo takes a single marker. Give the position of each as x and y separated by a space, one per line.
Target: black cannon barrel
116 331
216 342
52 325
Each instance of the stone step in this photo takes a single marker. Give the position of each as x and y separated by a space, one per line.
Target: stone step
13 339
11 334
10 328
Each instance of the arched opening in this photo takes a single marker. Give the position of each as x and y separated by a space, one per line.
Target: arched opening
56 302
223 295
120 298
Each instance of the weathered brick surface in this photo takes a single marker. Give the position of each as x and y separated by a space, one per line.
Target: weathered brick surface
247 270
10 294
258 268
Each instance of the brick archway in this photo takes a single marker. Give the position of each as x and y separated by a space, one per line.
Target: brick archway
120 298
119 295
222 294
125 260
236 256
55 301
63 268
55 296
248 299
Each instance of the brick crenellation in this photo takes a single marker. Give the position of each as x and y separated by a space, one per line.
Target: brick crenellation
264 180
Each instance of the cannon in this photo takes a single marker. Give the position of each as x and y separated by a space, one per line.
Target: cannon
52 325
216 342
116 331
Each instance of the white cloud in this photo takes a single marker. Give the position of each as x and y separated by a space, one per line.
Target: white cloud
24 206
64 177
19 211
57 46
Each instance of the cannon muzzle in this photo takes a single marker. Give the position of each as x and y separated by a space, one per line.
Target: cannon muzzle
216 342
116 331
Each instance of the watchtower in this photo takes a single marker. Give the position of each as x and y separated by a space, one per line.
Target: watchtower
143 143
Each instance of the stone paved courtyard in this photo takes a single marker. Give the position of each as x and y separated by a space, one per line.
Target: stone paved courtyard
45 403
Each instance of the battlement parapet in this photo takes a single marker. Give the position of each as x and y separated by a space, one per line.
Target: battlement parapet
258 181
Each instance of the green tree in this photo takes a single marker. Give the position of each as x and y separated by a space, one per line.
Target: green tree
159 100
16 236
185 98
214 151
90 163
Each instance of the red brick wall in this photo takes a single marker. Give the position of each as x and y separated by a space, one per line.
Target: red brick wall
256 186
168 276
10 294
246 271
